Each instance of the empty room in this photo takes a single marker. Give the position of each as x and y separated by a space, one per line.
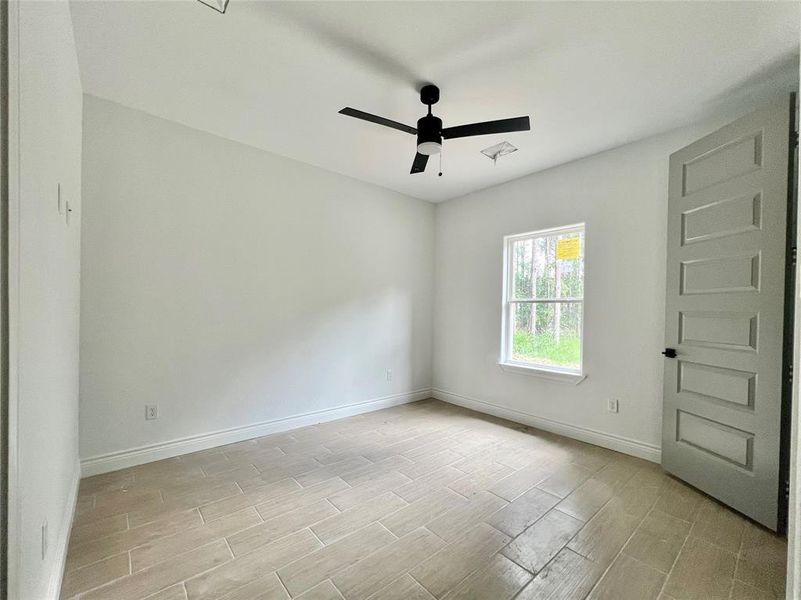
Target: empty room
368 300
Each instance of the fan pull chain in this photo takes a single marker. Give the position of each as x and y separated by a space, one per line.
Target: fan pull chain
440 163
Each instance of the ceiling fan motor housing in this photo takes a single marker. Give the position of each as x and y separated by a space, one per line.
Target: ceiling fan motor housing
429 135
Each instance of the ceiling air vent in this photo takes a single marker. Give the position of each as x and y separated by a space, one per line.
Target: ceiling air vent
497 150
218 5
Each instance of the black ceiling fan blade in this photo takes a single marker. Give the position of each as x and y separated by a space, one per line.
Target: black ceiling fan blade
488 127
359 114
419 164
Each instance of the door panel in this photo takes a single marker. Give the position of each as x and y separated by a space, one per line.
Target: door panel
727 215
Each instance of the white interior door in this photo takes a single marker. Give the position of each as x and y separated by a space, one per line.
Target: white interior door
727 215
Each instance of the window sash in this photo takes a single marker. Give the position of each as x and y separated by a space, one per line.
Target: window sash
546 301
509 300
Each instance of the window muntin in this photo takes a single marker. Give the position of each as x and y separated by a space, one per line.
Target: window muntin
544 300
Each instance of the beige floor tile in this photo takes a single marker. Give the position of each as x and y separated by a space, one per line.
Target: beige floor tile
533 548
174 592
303 497
326 472
116 503
323 564
481 479
679 500
242 570
702 572
743 591
592 457
719 525
106 482
566 479
456 521
658 540
424 510
163 548
427 464
417 488
422 465
500 579
617 473
637 498
404 445
348 521
403 588
373 470
432 447
242 472
92 550
164 574
587 499
99 528
515 518
605 534
628 579
763 560
286 466
513 456
522 480
95 575
470 552
567 576
191 499
263 533
324 591
364 492
226 506
376 571
268 587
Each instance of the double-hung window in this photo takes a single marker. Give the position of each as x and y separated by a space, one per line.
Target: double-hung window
544 300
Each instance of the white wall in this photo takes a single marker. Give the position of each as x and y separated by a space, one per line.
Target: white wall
621 195
44 258
231 286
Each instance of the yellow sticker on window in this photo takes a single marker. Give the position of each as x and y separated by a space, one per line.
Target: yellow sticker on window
567 248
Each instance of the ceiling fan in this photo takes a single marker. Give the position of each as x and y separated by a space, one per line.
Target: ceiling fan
429 129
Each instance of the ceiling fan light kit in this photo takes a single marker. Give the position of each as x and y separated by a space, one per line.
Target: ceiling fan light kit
429 129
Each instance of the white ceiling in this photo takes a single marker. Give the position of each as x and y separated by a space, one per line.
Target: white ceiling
591 75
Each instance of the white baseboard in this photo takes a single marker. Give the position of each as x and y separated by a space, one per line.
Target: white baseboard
62 542
114 461
583 434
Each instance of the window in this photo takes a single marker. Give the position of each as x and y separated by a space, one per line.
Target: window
544 300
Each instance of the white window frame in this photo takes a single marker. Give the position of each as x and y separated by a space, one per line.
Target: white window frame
506 363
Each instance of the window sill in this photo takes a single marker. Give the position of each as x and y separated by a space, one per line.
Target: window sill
553 375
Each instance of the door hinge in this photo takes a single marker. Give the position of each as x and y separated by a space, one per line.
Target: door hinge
794 139
790 374
787 488
793 255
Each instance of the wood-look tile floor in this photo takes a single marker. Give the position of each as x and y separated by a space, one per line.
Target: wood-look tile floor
416 502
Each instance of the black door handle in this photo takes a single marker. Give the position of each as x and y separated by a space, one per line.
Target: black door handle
669 353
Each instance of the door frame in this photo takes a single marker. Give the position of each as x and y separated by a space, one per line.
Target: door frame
4 196
794 504
9 303
791 254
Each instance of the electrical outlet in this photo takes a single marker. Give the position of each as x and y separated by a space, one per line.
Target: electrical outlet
151 412
612 405
44 539
389 374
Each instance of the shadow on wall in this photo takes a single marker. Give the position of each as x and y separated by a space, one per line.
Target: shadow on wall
218 373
